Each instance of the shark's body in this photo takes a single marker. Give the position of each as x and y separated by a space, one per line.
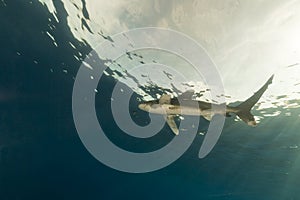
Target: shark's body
184 105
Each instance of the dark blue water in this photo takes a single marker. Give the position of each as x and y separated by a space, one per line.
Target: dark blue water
42 157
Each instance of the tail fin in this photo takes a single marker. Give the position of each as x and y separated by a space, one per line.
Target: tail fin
243 110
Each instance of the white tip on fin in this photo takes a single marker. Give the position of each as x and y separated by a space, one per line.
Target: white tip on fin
208 117
165 99
171 122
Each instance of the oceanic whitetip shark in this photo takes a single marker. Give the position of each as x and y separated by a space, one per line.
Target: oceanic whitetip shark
185 105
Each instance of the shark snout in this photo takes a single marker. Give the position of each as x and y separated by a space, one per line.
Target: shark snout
142 106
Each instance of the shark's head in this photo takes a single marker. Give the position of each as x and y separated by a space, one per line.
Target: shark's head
150 106
144 106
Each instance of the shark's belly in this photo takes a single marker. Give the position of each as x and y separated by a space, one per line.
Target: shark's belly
180 110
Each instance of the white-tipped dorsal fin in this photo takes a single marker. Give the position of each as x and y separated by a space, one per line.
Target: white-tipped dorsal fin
187 95
171 122
165 99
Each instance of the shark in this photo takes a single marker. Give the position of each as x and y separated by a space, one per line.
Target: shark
184 104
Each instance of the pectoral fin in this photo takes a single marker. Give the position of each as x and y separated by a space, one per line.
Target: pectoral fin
207 117
171 122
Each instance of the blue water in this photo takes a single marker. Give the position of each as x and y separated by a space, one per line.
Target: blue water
42 157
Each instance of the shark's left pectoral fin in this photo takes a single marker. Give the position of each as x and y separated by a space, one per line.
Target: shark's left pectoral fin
171 122
208 117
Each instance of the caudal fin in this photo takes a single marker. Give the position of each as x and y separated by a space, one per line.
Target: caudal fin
243 110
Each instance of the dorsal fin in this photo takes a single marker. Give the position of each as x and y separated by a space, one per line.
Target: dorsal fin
187 95
165 99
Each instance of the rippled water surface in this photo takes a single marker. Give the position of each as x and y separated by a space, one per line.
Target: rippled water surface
43 44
